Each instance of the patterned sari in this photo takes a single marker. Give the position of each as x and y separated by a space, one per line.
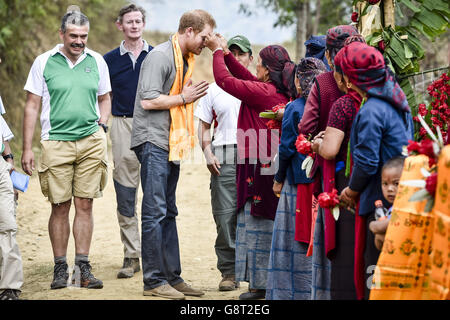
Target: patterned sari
414 261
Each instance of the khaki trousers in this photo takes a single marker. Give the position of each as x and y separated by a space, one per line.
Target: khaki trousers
126 183
11 270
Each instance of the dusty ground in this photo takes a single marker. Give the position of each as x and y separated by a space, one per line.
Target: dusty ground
196 232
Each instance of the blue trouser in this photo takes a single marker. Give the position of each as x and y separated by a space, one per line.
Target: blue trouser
160 249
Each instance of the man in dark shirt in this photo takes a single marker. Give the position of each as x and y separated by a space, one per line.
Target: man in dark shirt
124 65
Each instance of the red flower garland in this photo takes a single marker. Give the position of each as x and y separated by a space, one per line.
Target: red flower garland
437 114
303 145
275 124
278 107
424 147
328 200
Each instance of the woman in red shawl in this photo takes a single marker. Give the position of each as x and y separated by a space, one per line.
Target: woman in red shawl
333 147
324 93
380 130
257 204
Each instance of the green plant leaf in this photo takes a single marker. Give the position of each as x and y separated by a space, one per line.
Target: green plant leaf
407 88
431 20
420 195
429 206
400 12
5 33
410 5
268 115
437 5
408 53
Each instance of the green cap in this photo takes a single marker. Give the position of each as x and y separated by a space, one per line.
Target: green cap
240 41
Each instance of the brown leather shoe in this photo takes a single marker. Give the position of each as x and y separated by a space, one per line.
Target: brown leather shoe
165 291
253 294
187 290
228 283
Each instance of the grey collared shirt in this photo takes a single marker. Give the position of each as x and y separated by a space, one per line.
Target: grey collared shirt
124 50
157 76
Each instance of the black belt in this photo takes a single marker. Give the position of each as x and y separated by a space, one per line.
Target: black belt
122 116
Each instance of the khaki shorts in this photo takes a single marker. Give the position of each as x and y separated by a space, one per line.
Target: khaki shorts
74 168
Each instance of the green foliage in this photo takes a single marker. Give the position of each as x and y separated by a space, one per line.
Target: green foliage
404 49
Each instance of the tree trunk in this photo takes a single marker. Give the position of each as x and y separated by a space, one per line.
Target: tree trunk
389 13
309 20
316 19
300 12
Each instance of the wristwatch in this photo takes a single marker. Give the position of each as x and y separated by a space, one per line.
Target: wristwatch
104 126
8 156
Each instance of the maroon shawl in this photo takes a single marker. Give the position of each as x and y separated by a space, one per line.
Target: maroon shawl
256 97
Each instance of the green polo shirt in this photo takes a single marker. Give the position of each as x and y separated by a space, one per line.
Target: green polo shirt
69 93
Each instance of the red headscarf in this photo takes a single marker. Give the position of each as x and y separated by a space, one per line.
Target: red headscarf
281 69
336 37
365 67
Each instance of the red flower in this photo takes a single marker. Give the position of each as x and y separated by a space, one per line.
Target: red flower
374 1
423 110
273 124
355 16
436 122
381 46
278 107
303 145
426 148
439 92
328 200
413 146
431 184
432 162
423 132
257 199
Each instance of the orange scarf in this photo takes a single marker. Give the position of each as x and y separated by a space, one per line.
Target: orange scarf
182 135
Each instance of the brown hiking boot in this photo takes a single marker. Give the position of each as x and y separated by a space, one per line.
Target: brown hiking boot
228 283
129 268
187 290
82 277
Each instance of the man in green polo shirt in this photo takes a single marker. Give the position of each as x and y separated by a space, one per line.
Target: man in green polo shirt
73 84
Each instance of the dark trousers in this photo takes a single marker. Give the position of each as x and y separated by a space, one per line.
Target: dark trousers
160 248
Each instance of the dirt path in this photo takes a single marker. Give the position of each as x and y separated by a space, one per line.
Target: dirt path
196 230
